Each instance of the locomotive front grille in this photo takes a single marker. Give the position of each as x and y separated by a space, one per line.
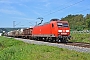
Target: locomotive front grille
63 32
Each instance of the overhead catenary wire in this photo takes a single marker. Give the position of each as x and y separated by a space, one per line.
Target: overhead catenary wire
60 6
64 8
83 10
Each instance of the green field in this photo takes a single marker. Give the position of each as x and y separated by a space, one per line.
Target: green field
11 49
80 37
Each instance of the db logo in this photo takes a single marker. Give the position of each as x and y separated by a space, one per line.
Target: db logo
63 30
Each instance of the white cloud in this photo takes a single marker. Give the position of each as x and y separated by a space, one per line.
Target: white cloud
5 1
23 5
13 1
37 13
23 18
40 8
47 4
25 0
26 18
7 11
43 0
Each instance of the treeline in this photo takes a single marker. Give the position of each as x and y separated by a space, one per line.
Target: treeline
78 22
8 29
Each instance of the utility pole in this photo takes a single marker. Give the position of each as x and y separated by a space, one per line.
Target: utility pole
13 24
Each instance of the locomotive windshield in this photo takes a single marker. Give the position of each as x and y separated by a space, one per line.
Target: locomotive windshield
59 24
65 24
62 24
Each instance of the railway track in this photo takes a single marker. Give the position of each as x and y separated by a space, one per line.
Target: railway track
79 44
85 45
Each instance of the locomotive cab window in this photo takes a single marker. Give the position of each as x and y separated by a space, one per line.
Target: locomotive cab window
52 25
65 24
59 24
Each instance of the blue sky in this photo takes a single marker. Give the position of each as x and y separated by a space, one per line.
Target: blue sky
26 12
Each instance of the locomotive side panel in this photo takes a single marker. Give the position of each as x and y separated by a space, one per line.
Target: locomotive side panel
46 30
43 30
54 28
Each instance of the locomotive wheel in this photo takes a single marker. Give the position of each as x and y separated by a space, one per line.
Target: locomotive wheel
58 40
45 39
53 40
49 39
61 40
64 40
38 38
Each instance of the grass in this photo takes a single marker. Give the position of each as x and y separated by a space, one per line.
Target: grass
80 37
11 49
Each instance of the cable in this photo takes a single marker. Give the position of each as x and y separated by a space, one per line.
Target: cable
64 8
60 6
83 10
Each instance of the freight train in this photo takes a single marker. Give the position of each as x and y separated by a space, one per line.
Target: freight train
55 31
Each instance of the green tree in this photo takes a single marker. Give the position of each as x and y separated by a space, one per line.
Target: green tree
88 24
76 22
87 16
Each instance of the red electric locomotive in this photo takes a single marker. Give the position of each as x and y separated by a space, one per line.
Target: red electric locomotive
55 31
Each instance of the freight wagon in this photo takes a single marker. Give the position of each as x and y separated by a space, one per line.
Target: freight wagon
27 33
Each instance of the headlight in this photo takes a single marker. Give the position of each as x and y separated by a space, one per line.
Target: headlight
67 30
59 30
